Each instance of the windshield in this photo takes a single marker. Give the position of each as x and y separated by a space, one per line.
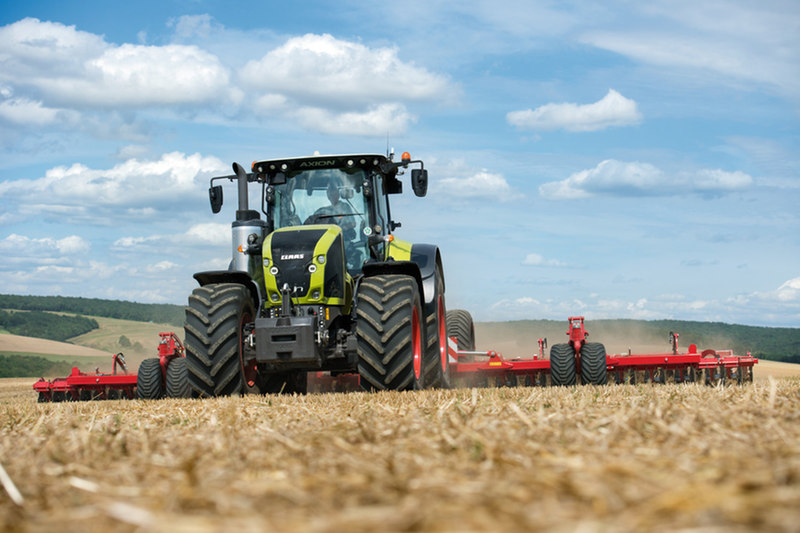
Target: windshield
327 196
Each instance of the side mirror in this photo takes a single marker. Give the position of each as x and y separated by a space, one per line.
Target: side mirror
419 181
215 197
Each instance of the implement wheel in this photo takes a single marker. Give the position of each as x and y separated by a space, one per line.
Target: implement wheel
562 365
460 326
149 382
178 379
215 318
593 364
390 333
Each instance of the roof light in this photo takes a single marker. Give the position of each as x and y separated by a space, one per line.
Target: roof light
406 156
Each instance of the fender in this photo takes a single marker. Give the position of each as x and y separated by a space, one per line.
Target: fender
209 277
417 260
428 258
406 268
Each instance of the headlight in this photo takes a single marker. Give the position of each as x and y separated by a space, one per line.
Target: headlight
312 268
266 261
315 294
273 270
321 259
274 296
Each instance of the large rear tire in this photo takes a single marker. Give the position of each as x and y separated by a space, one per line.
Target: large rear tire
594 370
178 379
390 333
215 318
437 366
562 365
149 381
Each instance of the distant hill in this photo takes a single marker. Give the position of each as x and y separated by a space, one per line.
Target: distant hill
512 338
161 313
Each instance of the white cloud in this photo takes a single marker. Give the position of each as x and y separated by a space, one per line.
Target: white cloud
466 183
209 233
25 112
322 70
71 68
789 291
539 260
613 110
204 234
337 86
135 188
387 119
619 178
20 247
71 78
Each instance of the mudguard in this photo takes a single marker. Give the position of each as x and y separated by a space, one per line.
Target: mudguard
231 276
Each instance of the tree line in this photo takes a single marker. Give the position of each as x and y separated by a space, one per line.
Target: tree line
139 312
45 325
32 366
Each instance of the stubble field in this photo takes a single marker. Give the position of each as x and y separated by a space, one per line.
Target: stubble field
614 458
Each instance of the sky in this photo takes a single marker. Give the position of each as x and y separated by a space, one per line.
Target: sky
607 159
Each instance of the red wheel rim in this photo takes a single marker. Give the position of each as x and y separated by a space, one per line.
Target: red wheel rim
416 344
442 335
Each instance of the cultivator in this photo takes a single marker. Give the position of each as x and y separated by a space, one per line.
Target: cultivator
119 384
570 363
589 361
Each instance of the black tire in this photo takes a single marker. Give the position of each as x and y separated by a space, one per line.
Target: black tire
215 317
42 398
149 381
177 385
436 364
593 364
390 334
461 327
562 365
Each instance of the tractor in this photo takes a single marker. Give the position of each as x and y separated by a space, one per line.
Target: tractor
319 283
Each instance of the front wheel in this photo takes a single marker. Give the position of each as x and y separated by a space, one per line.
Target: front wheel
215 321
390 333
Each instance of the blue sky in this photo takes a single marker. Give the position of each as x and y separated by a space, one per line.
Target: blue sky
611 159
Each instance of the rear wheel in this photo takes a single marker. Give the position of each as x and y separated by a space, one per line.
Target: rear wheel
390 333
562 365
593 364
178 379
437 366
215 319
149 381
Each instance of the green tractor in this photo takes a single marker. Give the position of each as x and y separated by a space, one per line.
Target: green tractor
319 284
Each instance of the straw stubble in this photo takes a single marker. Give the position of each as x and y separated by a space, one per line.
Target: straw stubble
597 458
